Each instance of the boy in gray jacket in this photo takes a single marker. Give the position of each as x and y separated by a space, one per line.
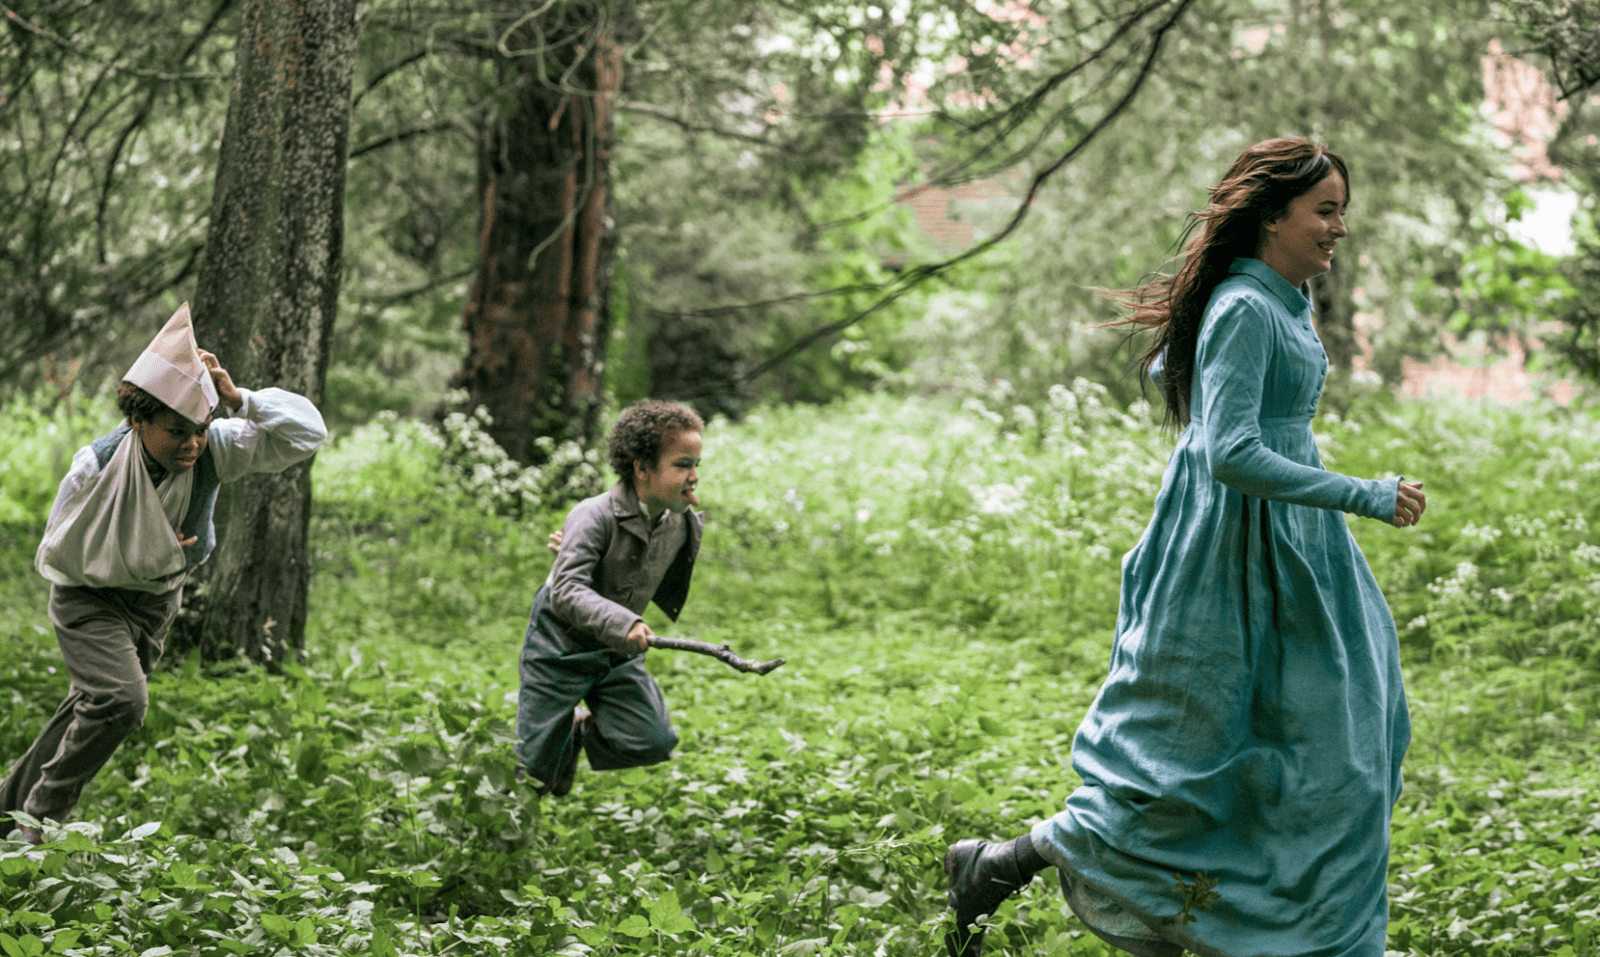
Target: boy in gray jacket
586 638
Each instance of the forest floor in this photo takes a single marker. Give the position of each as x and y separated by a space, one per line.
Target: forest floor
942 583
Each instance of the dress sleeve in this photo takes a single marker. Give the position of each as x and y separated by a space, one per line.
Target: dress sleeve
273 430
584 538
1231 362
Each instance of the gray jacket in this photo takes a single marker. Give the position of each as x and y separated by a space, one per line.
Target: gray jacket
600 586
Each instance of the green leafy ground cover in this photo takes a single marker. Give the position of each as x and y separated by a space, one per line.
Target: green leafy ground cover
943 584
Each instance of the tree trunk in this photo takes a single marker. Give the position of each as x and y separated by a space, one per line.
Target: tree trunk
539 312
267 295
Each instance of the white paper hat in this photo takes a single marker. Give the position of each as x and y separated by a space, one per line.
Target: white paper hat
170 369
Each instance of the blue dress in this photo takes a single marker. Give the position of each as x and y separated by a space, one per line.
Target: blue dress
1253 721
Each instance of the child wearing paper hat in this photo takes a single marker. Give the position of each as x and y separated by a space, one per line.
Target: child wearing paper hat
132 517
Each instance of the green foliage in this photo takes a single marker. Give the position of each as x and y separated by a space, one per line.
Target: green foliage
1566 33
406 514
40 433
1507 288
1504 280
753 169
105 206
1496 860
1422 166
1509 573
1199 895
364 803
998 521
1577 148
1576 341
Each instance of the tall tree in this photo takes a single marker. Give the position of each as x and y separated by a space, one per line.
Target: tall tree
538 315
266 300
730 74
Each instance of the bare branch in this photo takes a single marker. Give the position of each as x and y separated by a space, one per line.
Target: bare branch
646 109
127 133
722 653
1568 33
717 312
1010 119
429 286
13 17
914 277
385 73
400 137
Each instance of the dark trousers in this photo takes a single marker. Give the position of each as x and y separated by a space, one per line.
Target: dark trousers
628 724
110 638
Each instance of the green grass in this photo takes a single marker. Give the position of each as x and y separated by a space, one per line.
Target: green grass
942 582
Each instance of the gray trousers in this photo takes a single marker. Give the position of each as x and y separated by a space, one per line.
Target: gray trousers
110 639
628 724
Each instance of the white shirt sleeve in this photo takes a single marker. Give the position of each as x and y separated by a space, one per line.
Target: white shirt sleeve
273 430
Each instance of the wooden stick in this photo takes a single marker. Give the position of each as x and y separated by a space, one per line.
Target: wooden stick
722 653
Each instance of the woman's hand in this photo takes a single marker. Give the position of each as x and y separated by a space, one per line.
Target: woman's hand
226 390
638 639
555 541
1409 504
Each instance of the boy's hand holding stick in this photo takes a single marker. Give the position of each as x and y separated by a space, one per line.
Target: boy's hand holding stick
722 653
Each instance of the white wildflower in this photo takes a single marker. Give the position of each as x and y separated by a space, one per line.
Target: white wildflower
1026 420
1001 499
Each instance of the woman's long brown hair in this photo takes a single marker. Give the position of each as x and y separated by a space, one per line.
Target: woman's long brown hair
1256 191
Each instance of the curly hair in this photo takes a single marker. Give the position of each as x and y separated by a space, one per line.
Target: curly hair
642 429
135 403
1256 191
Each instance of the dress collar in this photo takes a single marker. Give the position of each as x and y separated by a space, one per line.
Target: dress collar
1295 300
